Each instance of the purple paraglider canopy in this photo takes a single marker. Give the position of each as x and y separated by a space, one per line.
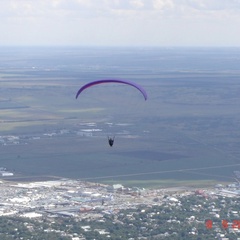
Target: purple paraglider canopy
140 88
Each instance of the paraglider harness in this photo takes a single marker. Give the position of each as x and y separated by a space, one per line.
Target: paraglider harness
111 141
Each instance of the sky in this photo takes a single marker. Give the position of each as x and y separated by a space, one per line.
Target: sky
162 23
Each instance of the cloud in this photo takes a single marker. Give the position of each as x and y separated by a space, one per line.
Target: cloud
137 3
119 21
214 4
107 8
163 4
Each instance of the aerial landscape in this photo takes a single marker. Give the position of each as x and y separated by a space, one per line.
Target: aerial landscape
178 146
119 120
187 130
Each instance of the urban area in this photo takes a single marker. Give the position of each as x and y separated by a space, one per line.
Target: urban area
78 210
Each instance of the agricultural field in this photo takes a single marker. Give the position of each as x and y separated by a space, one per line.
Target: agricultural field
186 133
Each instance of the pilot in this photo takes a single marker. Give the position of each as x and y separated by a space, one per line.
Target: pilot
110 141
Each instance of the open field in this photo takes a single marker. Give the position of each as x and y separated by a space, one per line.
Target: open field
187 132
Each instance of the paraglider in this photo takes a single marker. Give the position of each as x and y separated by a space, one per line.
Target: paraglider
110 141
137 86
90 84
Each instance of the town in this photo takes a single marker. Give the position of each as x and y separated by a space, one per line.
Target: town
103 211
